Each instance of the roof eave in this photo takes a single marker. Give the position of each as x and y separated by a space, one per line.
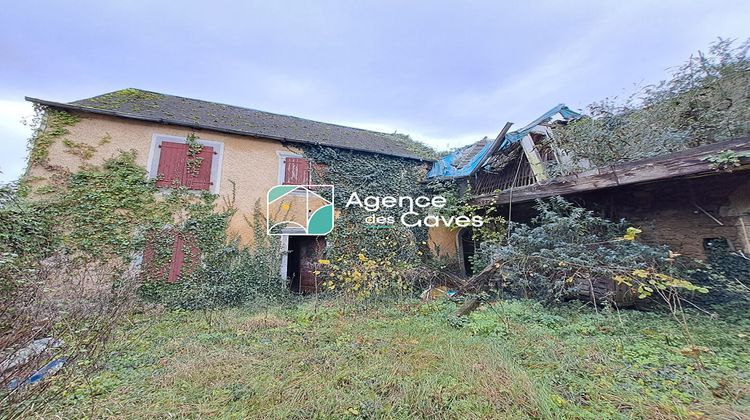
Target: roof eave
113 113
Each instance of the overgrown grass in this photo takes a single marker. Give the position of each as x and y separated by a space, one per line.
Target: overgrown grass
327 359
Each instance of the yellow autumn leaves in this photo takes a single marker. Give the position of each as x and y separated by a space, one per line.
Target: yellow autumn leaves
631 233
362 276
646 281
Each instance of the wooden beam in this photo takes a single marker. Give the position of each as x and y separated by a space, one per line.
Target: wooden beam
689 162
493 148
535 160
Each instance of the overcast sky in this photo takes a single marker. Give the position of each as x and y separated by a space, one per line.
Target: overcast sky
447 73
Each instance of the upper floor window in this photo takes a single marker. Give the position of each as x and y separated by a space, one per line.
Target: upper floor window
173 165
296 171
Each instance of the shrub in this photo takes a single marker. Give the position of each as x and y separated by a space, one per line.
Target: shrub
567 250
226 272
54 307
705 101
363 277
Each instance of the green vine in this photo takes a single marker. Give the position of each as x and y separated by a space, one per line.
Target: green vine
194 161
370 175
727 160
49 125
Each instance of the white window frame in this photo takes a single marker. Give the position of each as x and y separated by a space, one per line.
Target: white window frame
216 161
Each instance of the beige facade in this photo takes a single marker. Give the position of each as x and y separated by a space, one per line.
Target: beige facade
252 164
443 241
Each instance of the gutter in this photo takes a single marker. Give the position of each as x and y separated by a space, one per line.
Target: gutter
112 113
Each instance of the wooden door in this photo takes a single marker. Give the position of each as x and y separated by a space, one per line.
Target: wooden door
312 249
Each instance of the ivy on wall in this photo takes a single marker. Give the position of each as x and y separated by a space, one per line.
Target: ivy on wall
49 125
370 175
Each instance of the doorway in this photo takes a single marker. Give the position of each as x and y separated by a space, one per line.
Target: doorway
302 262
466 249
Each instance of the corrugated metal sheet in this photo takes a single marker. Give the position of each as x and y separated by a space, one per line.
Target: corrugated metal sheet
461 163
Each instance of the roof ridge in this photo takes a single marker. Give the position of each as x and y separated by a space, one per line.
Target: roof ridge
234 106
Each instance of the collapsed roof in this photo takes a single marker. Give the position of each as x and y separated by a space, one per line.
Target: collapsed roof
466 161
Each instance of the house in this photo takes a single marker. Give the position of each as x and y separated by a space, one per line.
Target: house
243 149
681 199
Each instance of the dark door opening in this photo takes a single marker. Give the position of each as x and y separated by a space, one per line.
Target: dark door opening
466 240
302 262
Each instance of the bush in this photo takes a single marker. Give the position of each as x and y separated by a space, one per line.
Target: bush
226 273
54 307
567 251
705 101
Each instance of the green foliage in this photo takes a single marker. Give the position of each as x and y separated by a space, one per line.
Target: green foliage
566 249
512 359
194 148
370 175
492 231
228 273
25 237
417 147
726 160
49 125
25 230
365 277
706 100
114 211
99 208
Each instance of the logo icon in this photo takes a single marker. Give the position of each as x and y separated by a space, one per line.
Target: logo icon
300 210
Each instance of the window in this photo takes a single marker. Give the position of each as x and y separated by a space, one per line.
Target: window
296 171
171 164
176 264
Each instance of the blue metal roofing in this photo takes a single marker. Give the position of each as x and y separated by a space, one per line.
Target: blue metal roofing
444 168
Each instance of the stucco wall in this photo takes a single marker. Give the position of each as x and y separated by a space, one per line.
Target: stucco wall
252 163
442 241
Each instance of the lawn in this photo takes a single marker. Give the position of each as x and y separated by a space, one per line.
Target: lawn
327 359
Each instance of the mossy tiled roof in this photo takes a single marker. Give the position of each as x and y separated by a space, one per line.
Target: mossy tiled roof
177 110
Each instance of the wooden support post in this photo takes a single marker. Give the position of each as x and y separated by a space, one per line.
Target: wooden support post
535 160
745 234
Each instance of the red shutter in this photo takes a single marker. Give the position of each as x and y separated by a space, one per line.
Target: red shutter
172 164
202 180
178 256
176 264
296 171
152 269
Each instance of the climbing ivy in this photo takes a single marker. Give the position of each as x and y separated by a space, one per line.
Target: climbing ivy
113 212
493 229
48 125
370 175
194 149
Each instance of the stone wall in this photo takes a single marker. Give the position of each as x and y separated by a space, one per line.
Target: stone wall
682 213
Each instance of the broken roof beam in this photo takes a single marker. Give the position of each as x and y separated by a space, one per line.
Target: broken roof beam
534 158
689 162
